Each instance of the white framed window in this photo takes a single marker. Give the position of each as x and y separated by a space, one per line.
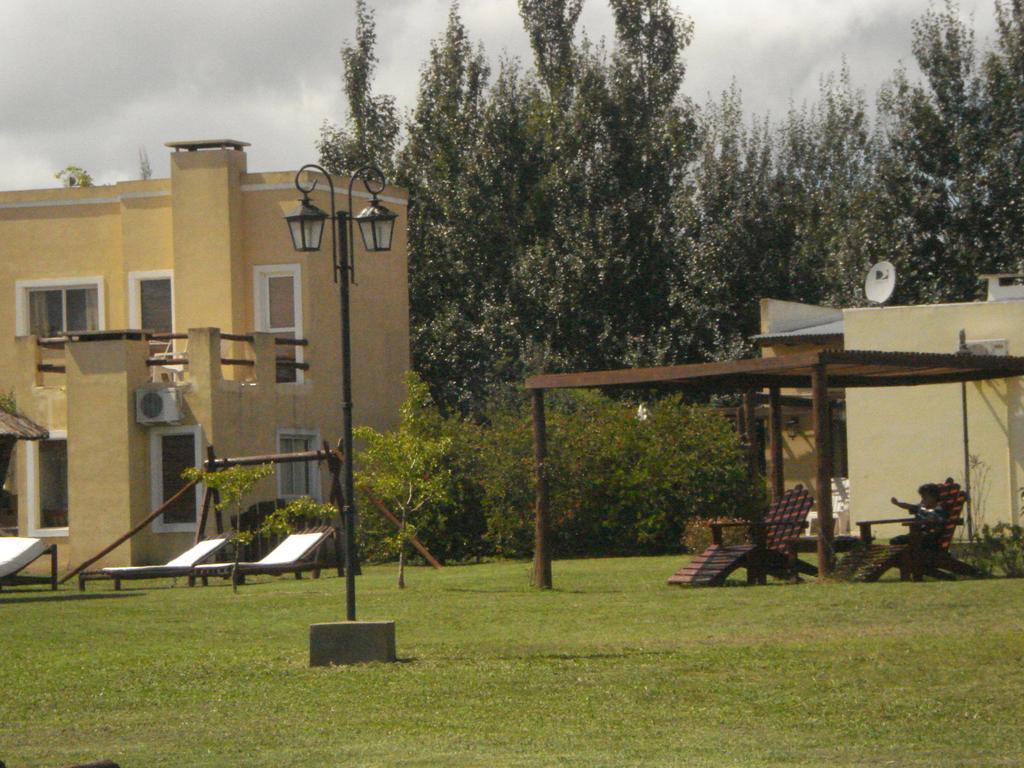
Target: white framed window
277 303
151 300
303 477
55 307
151 306
171 451
46 476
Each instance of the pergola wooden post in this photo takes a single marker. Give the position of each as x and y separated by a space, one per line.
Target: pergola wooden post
542 523
775 442
750 434
823 454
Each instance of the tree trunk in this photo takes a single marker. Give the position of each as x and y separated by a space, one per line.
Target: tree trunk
401 554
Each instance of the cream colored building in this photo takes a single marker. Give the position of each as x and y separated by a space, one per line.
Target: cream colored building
203 254
897 438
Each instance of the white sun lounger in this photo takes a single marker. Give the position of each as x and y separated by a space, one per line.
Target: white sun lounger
16 552
293 555
182 565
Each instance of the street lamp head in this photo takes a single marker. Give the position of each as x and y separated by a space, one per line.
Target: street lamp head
306 224
376 225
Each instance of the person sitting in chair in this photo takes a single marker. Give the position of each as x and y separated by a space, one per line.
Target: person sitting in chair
929 511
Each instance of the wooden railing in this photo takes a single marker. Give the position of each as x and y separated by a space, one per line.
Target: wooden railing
59 342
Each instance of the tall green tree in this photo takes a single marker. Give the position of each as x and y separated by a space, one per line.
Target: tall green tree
450 261
930 169
371 130
718 210
583 213
1003 73
616 140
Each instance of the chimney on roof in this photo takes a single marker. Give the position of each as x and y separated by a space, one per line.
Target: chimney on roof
201 144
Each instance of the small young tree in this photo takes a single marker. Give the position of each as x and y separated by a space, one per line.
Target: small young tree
407 468
232 485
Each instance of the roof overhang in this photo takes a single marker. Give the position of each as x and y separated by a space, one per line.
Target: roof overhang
18 427
850 368
831 332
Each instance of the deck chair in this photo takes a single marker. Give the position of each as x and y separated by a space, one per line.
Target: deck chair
772 551
300 552
926 554
17 552
182 565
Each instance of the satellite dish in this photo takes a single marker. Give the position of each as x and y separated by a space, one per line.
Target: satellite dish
880 282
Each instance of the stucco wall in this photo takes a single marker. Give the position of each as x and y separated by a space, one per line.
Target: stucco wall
899 438
212 223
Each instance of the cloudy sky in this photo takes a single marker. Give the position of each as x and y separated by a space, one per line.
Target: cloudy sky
89 82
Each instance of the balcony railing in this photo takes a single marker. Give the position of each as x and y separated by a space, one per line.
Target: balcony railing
168 359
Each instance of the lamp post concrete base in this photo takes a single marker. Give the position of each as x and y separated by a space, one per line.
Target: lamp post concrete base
351 642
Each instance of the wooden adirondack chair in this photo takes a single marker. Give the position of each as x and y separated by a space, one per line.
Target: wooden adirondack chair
926 554
772 551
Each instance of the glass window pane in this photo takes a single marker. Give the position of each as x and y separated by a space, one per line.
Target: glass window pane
155 305
295 478
53 483
46 312
83 314
281 298
178 453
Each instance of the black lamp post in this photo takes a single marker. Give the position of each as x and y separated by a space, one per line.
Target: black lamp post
376 225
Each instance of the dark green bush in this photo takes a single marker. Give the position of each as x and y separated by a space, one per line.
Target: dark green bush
620 485
997 550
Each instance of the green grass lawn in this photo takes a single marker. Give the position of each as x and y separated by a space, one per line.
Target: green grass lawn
612 668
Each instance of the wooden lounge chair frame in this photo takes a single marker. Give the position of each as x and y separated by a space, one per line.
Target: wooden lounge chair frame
915 559
772 551
17 578
238 571
145 572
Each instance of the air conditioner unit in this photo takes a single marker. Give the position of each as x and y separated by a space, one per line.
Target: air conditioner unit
157 405
993 347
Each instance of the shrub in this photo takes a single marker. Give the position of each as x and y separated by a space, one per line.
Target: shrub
998 549
619 484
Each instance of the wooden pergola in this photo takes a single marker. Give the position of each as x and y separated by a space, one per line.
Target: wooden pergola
817 371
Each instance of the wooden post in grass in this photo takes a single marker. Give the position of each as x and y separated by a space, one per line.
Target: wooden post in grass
823 452
542 511
208 500
775 428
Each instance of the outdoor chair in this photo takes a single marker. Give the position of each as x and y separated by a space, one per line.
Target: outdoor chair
772 551
182 565
17 552
925 554
300 552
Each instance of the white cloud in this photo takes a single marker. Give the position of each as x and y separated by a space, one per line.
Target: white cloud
89 83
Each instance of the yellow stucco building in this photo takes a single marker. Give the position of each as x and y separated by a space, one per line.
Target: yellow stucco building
202 255
890 440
